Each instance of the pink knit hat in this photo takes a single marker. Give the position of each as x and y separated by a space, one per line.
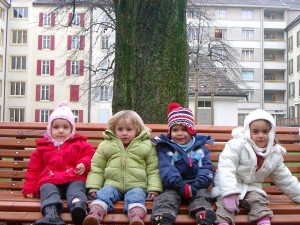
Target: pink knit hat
62 112
180 115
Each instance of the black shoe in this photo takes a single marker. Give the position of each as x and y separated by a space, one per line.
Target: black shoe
208 219
78 212
164 219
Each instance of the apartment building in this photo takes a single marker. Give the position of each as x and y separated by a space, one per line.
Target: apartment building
293 59
46 59
256 29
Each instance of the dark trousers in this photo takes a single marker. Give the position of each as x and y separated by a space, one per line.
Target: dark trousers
52 194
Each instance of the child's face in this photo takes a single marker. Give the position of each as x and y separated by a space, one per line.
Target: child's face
125 131
180 135
259 132
61 129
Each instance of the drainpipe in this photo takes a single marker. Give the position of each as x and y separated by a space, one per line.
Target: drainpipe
5 64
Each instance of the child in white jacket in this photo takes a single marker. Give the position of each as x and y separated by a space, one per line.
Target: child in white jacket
246 161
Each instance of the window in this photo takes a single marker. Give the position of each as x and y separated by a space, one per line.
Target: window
44 115
250 95
1 62
18 62
104 93
17 88
220 34
1 37
1 13
269 77
298 38
76 19
292 111
75 67
290 44
20 12
204 104
45 92
76 115
193 33
46 67
46 19
292 90
75 42
248 75
247 55
269 97
220 13
19 37
247 14
193 13
290 66
248 34
46 42
104 42
298 63
16 114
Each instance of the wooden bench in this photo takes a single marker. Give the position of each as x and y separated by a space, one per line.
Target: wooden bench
17 143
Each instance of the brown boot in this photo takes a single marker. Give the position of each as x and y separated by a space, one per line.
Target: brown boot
136 216
95 216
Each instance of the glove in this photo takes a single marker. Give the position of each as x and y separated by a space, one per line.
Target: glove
187 191
231 202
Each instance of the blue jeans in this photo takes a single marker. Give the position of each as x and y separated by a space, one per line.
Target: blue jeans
110 194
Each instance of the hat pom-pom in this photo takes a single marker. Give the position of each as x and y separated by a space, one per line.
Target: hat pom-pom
172 106
63 103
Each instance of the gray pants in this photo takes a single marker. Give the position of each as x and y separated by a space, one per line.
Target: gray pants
169 202
52 194
256 203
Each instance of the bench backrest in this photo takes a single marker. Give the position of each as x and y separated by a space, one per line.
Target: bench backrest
17 142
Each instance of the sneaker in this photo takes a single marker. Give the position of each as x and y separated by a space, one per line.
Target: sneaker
209 218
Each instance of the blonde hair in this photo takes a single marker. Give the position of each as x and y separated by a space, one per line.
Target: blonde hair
133 117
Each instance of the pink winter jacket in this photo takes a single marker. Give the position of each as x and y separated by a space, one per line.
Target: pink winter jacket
56 164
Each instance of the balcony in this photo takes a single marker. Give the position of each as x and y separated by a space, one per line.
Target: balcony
289 122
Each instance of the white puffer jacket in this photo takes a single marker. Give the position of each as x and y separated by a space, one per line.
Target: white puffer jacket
236 173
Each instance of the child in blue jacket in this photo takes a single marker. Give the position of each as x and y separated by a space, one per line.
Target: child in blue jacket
185 169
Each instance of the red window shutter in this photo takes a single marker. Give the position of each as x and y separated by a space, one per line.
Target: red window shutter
40 39
51 67
68 67
52 42
82 19
69 42
70 19
37 115
81 67
80 116
41 19
52 92
38 67
38 93
53 19
74 93
81 43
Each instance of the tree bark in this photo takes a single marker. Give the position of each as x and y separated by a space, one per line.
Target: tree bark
151 58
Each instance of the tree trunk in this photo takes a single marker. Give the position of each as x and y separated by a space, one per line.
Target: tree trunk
151 57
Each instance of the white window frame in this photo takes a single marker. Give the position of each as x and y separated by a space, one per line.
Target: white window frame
16 114
247 14
248 75
248 35
76 20
20 12
44 115
17 88
104 41
45 92
19 37
222 32
76 115
75 67
47 19
75 42
46 42
18 63
248 55
45 67
220 14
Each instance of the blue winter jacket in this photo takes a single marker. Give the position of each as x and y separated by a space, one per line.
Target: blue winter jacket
176 165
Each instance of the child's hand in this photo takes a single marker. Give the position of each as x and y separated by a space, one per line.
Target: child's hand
92 195
151 196
29 195
80 168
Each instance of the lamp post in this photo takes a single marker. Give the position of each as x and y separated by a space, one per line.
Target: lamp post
212 96
196 94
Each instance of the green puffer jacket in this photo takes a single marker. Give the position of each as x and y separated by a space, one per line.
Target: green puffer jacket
136 166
